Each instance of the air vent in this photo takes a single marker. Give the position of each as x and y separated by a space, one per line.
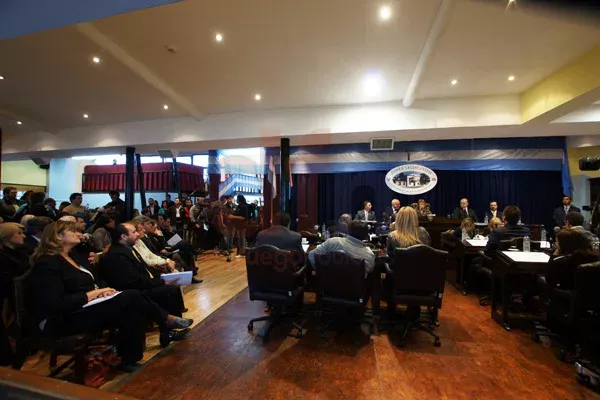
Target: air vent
166 153
382 144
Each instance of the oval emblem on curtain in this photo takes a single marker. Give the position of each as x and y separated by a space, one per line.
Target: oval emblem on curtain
411 179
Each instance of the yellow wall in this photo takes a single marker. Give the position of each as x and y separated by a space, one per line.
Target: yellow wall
24 172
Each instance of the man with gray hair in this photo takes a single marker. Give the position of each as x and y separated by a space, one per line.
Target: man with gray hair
341 228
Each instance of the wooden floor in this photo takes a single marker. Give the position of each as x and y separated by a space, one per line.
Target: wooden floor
477 360
222 281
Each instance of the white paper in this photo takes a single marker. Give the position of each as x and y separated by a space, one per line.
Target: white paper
477 242
174 240
178 278
544 245
305 247
520 256
99 300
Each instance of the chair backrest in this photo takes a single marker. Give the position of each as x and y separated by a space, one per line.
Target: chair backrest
340 275
506 244
452 245
419 268
587 281
269 269
24 305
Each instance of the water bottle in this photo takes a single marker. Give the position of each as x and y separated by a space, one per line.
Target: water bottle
595 243
485 220
465 235
543 234
520 223
327 235
526 244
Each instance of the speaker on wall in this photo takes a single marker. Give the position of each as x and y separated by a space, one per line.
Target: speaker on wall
41 162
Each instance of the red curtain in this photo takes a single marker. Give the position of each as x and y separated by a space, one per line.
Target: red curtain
307 201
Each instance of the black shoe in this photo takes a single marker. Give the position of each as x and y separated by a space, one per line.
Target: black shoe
194 281
173 336
184 310
129 367
180 323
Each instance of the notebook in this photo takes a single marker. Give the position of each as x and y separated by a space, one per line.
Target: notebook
178 278
99 300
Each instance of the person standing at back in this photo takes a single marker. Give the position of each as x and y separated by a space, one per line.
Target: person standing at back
9 204
75 207
560 213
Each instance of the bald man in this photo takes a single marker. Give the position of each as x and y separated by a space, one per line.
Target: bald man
390 212
464 211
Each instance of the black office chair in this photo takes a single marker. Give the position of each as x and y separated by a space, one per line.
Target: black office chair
456 257
341 288
483 265
273 278
574 315
29 337
418 274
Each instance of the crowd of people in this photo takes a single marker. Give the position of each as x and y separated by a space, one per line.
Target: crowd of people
74 257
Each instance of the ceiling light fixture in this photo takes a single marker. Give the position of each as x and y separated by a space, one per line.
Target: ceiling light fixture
19 123
219 37
257 97
85 116
385 12
1 78
511 78
373 84
166 107
454 82
96 60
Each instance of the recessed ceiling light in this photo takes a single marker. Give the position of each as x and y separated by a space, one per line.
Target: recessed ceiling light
219 37
85 116
1 78
166 107
373 84
454 82
385 12
96 60
511 78
257 97
19 123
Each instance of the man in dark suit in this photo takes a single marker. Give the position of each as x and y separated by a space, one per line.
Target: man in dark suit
153 207
493 211
123 268
280 236
35 227
464 211
561 212
510 230
365 214
389 214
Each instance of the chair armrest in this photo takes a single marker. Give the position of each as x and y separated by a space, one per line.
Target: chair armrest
386 269
300 272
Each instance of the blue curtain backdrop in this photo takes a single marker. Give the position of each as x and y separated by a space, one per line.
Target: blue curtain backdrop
537 193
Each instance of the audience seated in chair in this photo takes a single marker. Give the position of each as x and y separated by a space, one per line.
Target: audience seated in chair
407 231
341 227
122 267
14 261
572 249
574 220
61 287
350 244
493 224
35 228
468 225
280 236
511 229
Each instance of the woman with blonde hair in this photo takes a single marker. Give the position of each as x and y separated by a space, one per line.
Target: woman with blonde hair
407 231
494 224
468 225
61 287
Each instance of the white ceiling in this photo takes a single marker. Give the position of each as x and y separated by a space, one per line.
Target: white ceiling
297 54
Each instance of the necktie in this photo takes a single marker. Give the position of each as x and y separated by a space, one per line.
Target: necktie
466 212
566 209
135 254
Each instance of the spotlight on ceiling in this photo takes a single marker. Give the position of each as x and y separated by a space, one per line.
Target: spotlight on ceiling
385 13
373 84
511 78
454 82
19 123
85 116
96 60
219 37
257 97
166 107
1 78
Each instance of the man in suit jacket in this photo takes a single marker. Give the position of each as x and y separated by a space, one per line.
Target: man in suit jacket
365 214
389 214
280 236
493 212
561 212
122 268
464 211
510 230
153 207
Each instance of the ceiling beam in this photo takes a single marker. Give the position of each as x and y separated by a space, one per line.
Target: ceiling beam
140 69
5 111
436 29
572 87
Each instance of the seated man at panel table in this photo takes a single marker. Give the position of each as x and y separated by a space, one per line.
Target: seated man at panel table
350 244
366 214
464 211
510 230
280 236
493 212
389 215
574 220
561 212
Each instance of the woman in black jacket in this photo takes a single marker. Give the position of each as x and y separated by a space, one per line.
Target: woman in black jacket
14 262
62 288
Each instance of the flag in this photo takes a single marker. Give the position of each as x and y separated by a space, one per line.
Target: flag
567 184
271 177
